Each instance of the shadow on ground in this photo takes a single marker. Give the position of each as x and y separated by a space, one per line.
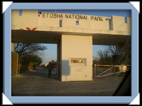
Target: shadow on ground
37 83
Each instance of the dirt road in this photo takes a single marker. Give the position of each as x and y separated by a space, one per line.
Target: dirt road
37 83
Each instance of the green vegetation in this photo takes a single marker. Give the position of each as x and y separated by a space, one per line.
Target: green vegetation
28 57
30 61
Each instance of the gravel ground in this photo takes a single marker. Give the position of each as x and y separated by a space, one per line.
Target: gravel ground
37 83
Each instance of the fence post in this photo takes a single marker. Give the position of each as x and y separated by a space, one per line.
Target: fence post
94 71
114 68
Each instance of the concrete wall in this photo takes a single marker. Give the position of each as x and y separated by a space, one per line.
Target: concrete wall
90 22
12 47
51 22
14 63
118 23
76 47
28 18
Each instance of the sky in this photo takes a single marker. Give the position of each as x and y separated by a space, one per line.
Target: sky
51 52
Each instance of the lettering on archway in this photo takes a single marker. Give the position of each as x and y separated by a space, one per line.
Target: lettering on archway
71 16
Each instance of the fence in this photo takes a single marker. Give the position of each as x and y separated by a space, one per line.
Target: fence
111 67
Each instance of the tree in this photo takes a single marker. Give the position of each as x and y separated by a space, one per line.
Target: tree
112 50
30 61
96 60
22 48
105 57
26 58
27 48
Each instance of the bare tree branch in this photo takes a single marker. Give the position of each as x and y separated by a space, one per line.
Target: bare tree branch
22 48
